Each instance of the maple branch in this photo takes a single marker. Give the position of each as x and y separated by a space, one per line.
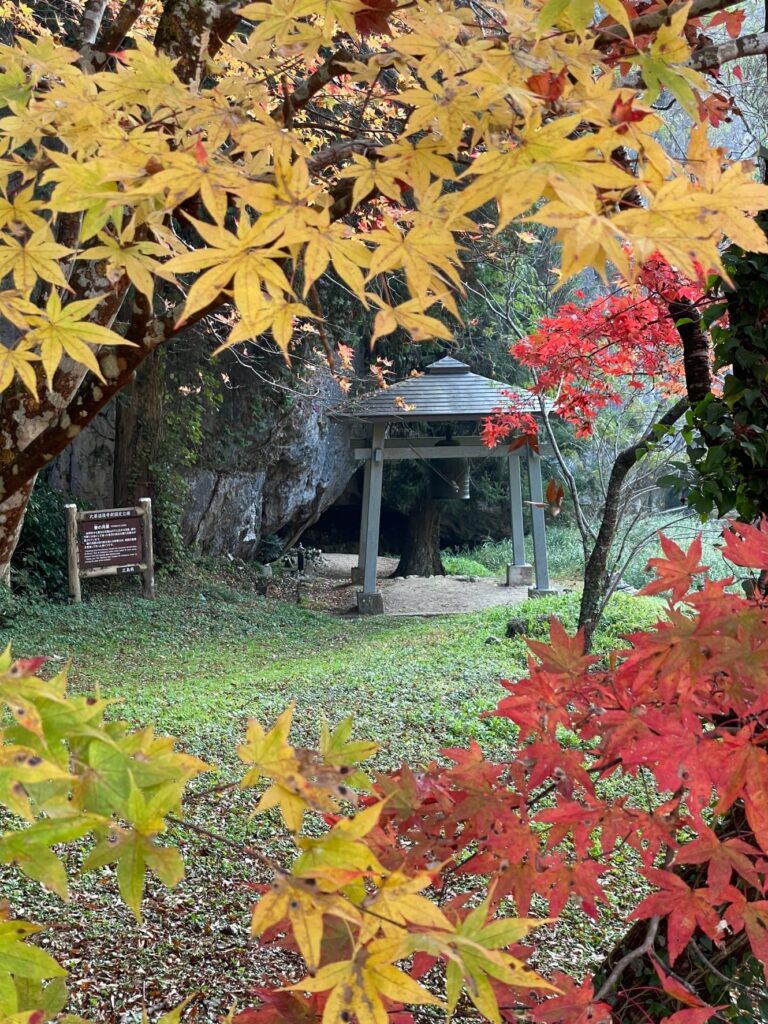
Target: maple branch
247 851
731 982
332 154
645 947
714 56
585 530
595 569
190 29
687 321
648 23
90 23
335 66
93 15
113 35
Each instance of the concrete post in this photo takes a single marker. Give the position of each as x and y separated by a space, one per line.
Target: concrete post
519 573
369 600
538 527
358 574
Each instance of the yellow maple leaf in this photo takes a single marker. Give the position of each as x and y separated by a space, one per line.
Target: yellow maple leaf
410 316
134 258
397 903
22 209
63 329
371 176
18 361
304 906
336 244
243 259
419 252
32 259
360 985
187 174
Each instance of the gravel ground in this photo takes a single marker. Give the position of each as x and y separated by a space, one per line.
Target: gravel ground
411 595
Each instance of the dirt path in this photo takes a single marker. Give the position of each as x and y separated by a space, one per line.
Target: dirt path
330 588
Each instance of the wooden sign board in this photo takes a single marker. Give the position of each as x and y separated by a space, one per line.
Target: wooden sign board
110 542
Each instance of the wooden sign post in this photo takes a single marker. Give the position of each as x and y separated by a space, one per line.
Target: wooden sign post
110 542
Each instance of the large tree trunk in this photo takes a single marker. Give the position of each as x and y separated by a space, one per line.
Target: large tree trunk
12 512
420 555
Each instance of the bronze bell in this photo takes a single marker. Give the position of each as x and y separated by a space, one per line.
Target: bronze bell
450 477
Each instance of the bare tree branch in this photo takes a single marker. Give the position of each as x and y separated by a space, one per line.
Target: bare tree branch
751 45
335 66
647 23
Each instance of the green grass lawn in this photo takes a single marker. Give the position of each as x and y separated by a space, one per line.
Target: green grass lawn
198 662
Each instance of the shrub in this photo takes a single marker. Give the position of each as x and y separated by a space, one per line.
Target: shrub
461 565
40 560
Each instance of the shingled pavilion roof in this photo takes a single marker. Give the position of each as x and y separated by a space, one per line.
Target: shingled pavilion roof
447 390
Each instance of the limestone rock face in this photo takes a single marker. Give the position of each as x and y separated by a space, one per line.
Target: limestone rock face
293 466
223 512
311 467
86 467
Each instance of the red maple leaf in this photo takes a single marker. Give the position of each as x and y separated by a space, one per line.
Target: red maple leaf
547 85
623 114
747 545
563 653
698 1015
575 1005
373 19
722 857
676 569
686 909
733 20
753 918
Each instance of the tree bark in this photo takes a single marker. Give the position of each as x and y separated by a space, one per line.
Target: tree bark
698 377
12 512
420 555
595 572
193 31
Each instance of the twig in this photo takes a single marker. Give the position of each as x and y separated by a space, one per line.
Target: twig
645 947
247 851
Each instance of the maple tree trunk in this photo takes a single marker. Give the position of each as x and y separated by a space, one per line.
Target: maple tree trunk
12 512
420 555
193 30
698 378
596 580
139 432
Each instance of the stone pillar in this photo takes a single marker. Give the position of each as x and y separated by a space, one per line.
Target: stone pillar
369 600
538 527
358 573
519 572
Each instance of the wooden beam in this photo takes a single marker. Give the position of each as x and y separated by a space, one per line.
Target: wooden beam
400 452
73 562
